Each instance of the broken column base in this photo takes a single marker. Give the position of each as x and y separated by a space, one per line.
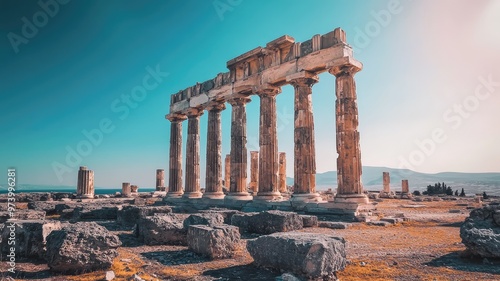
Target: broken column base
268 196
343 211
306 197
238 197
191 195
351 211
351 198
406 195
85 196
174 194
214 195
384 194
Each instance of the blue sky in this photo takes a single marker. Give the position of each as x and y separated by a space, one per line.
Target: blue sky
420 98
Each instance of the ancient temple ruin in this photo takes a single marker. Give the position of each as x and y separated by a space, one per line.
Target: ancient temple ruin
262 72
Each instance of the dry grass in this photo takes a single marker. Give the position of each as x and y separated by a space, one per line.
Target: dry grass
21 206
123 270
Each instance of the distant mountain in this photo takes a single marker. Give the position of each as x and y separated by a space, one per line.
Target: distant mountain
372 179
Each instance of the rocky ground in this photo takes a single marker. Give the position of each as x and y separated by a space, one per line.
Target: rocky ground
427 246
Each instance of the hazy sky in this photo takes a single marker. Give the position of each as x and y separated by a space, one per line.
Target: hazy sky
428 96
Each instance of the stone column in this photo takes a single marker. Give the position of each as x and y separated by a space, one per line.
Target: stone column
213 178
254 172
192 185
304 152
85 184
160 180
405 189
350 187
227 171
175 166
387 180
282 173
126 189
268 142
238 181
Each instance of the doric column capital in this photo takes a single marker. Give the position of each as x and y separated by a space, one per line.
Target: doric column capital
216 106
176 117
268 91
348 66
239 100
302 79
194 112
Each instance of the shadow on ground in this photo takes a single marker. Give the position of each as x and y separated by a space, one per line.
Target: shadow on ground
455 224
455 261
242 272
175 257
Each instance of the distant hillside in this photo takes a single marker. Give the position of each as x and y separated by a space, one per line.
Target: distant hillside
372 179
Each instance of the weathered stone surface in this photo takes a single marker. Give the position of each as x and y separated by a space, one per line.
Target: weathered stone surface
226 213
30 237
210 219
175 166
379 223
268 142
238 181
129 215
306 254
227 171
309 221
348 149
288 277
404 186
160 180
85 184
48 207
192 186
386 182
95 212
166 229
334 225
126 189
138 201
496 217
213 179
33 196
110 275
22 215
254 172
480 232
81 247
305 151
216 242
267 222
282 173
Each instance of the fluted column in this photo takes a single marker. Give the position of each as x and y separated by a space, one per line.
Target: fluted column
227 171
192 186
282 173
238 182
175 161
213 178
85 184
405 188
305 152
268 142
350 187
160 180
254 172
126 190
